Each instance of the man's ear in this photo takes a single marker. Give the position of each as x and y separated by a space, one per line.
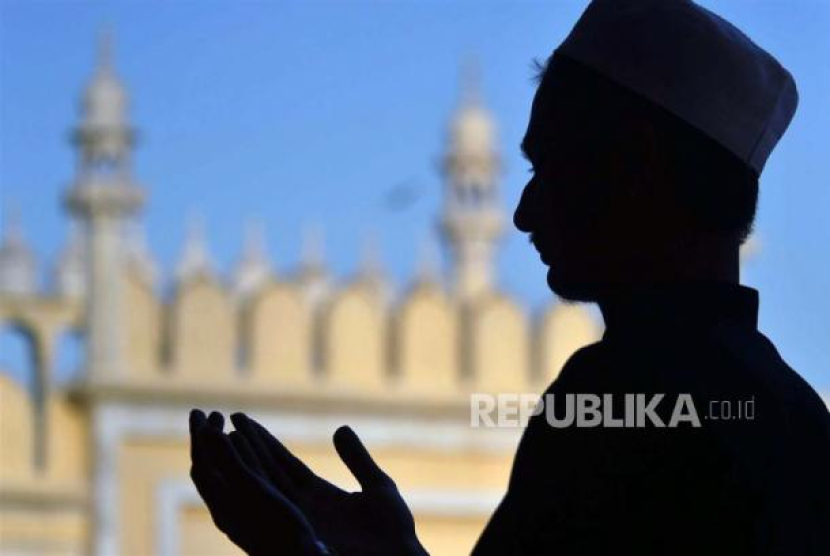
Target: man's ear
654 171
639 162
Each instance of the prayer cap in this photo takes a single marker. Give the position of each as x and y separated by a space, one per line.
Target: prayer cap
692 63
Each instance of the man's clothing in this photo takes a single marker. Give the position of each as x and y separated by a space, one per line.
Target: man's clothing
753 478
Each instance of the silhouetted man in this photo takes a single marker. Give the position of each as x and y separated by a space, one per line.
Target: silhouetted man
648 132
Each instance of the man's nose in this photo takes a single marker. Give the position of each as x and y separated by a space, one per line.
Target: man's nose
523 216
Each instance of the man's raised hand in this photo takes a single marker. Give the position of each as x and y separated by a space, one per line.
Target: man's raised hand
373 521
243 504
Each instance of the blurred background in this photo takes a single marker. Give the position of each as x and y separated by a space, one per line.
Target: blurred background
302 210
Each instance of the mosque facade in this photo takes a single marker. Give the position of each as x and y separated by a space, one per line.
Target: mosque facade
99 465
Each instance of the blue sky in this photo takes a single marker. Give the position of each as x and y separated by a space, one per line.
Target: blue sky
301 112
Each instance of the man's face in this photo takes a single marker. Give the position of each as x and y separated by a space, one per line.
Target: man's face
564 207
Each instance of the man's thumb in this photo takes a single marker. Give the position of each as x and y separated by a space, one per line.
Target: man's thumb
356 457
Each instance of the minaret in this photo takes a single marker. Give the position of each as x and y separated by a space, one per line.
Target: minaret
103 197
472 219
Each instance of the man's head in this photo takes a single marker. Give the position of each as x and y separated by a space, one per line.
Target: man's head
622 191
649 129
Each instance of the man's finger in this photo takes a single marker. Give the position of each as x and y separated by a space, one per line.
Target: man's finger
199 429
294 468
356 457
273 470
210 485
214 491
246 452
197 420
243 425
229 463
216 421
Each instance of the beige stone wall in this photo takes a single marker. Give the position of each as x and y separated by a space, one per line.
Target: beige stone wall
43 531
68 441
203 332
427 342
425 345
372 358
145 465
279 335
16 432
449 536
199 536
143 327
500 349
355 341
42 510
65 430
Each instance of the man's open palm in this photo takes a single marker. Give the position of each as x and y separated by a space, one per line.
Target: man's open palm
305 506
375 520
243 505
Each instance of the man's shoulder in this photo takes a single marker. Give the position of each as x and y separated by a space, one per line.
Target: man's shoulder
580 366
756 364
723 362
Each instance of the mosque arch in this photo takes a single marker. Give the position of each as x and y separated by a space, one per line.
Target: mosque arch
25 388
426 341
203 331
279 335
354 340
143 326
499 350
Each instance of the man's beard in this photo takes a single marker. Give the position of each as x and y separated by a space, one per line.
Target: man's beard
574 290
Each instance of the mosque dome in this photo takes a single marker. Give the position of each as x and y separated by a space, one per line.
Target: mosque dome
472 130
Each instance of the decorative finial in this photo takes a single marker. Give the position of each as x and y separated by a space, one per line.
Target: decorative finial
428 261
254 248
370 274
253 270
70 273
12 229
105 50
195 259
312 274
370 265
138 251
18 268
312 252
470 81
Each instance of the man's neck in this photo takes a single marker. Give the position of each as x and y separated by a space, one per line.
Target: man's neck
677 305
690 268
707 262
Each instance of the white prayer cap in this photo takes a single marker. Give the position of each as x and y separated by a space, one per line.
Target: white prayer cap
694 64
